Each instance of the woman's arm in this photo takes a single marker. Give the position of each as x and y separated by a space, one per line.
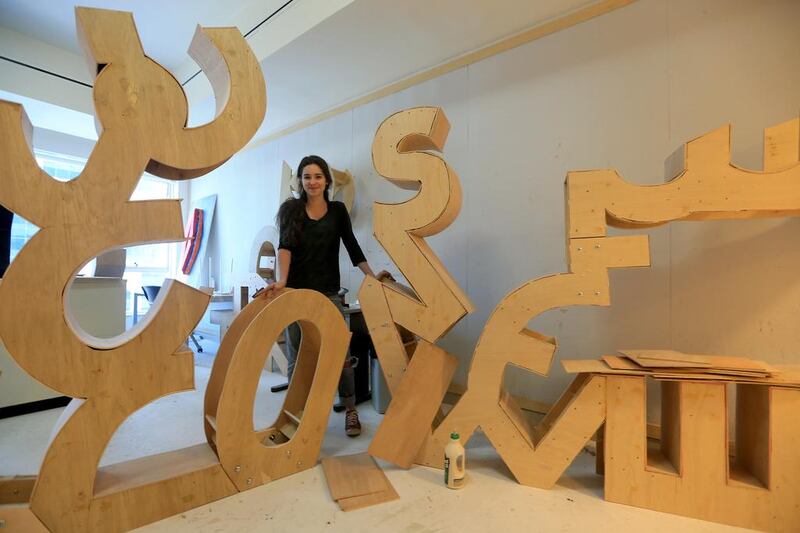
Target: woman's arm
353 249
364 267
383 274
284 263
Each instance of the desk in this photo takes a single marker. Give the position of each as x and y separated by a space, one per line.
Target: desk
222 297
136 296
216 297
354 311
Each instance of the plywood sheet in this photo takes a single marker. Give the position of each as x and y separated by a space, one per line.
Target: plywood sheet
415 403
16 489
665 358
577 366
674 359
367 500
783 376
19 517
353 475
621 363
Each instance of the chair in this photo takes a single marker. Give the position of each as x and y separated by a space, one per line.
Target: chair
150 293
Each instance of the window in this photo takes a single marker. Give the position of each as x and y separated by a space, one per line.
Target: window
146 264
149 264
62 168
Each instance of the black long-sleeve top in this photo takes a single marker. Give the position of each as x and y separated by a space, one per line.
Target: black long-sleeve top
315 259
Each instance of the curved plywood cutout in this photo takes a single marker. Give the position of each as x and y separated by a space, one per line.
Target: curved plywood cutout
156 102
709 188
288 183
110 343
401 153
266 254
143 113
506 339
33 290
248 458
222 360
344 189
265 234
124 380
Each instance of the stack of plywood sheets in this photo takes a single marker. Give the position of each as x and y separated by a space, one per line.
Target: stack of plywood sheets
672 365
356 481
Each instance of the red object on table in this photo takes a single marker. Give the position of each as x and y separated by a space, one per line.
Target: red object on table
194 238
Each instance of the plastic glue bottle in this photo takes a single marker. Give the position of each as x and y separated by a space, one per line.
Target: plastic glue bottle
454 463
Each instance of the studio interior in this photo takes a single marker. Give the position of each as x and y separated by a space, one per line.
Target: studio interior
365 265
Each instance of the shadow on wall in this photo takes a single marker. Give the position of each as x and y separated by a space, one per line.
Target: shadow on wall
735 288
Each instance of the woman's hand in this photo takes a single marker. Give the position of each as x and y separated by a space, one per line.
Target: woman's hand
270 291
383 274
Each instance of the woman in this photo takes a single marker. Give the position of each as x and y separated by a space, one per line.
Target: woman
308 258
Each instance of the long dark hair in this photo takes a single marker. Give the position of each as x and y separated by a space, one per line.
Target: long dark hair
291 213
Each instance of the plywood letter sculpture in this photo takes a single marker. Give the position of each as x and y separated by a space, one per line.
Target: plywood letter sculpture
292 443
761 491
536 456
143 113
401 152
761 488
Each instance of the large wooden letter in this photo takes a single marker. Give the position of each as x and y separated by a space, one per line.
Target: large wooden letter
292 443
709 188
143 113
691 475
401 153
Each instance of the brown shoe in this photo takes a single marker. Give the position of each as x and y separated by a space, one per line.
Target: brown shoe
352 427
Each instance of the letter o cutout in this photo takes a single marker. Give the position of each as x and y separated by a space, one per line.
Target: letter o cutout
246 459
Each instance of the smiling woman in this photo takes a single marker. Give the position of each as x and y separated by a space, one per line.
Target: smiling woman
311 228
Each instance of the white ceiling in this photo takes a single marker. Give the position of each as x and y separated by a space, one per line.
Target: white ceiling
165 27
314 63
372 43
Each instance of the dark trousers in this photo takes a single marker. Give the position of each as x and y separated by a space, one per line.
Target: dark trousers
347 382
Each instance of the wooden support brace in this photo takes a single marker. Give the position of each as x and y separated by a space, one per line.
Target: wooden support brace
415 403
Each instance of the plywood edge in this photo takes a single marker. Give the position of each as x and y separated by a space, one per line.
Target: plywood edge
20 518
16 489
153 469
367 500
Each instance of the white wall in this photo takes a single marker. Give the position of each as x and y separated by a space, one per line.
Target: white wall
61 143
620 91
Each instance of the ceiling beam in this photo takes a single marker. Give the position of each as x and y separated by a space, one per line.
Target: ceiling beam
48 83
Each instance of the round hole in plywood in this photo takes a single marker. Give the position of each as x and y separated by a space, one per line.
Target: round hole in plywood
265 263
106 292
